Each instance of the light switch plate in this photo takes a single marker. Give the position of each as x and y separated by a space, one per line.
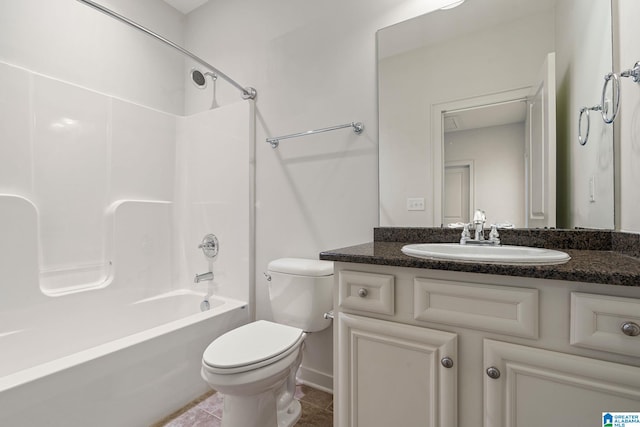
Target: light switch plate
415 204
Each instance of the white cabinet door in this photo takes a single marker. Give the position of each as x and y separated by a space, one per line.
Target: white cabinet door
545 388
392 374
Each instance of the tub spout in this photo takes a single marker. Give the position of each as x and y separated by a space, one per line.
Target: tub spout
208 276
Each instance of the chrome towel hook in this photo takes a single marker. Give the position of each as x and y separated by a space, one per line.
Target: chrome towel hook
584 111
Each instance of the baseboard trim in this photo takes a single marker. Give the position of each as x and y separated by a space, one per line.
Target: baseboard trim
315 379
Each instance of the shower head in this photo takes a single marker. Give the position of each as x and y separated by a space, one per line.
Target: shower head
199 78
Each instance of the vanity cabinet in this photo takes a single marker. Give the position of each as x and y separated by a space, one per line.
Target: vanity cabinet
543 388
415 347
396 372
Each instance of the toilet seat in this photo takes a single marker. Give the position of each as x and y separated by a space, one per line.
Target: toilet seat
251 346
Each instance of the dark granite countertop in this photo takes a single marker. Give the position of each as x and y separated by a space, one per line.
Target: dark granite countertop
603 257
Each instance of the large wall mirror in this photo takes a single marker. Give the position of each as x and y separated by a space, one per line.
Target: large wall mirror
479 109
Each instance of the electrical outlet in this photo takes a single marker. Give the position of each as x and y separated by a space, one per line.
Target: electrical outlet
415 204
592 189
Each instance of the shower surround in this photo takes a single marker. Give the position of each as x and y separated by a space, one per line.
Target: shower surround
103 202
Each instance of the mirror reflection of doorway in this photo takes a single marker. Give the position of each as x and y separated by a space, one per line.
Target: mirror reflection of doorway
511 138
492 138
458 193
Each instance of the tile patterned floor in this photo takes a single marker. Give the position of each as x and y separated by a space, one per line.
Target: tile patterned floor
317 410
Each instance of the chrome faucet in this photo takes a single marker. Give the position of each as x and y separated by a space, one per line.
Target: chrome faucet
208 276
479 219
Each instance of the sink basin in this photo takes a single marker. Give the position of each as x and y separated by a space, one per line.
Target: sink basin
511 255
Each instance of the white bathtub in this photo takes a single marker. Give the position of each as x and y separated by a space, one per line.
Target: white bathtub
115 359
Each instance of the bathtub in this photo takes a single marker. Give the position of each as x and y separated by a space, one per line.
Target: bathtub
117 359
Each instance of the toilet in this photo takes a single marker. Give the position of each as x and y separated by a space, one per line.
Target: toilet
254 366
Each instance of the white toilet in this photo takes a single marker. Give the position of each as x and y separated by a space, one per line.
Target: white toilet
254 366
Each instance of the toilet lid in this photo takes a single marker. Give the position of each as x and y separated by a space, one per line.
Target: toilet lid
251 344
301 267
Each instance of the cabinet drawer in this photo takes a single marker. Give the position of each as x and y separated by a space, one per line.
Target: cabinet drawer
503 309
599 322
366 292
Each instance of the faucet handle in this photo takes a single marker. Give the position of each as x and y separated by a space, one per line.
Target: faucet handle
466 235
493 235
209 245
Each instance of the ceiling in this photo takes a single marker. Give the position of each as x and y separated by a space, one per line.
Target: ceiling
442 25
186 6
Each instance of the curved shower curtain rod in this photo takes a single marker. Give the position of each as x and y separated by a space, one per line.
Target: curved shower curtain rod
247 92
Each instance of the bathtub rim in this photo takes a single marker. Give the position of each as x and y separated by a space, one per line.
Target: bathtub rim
28 375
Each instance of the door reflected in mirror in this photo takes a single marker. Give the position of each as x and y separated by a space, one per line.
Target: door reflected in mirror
484 163
497 155
436 71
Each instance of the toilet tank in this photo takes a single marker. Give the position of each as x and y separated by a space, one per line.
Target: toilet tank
301 291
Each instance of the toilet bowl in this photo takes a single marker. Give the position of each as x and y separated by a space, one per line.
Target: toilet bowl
255 382
254 366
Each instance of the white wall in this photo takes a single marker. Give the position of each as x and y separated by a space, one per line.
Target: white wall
583 58
498 154
410 83
629 119
314 65
67 40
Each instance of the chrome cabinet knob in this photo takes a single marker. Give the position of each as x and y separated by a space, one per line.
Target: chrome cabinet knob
493 372
363 292
447 362
630 329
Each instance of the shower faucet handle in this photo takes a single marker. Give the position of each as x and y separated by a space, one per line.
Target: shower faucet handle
209 245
